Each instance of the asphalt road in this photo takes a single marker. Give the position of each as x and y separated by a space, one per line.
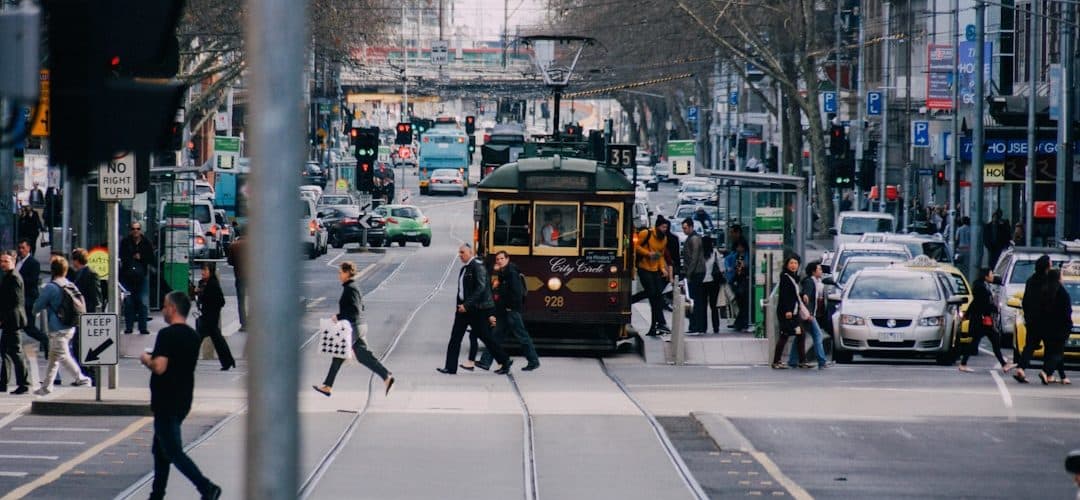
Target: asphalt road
873 429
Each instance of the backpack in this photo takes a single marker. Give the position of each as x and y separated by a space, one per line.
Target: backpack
522 286
72 305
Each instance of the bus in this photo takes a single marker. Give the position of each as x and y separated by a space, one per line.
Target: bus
567 223
444 146
505 143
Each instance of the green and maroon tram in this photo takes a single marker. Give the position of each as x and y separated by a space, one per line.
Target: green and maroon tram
566 224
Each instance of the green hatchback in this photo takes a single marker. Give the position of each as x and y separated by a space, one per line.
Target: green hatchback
405 223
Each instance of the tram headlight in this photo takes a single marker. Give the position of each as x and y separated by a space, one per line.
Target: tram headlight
613 269
554 284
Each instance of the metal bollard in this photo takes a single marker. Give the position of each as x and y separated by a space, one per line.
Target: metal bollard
678 322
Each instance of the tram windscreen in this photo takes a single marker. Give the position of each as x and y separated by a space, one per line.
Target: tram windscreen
556 225
601 227
511 225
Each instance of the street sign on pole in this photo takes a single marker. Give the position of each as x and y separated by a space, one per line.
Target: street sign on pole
920 134
226 152
440 50
365 220
692 113
829 103
873 103
98 339
733 98
116 179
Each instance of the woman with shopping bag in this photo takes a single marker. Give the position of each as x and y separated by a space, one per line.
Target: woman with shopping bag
351 309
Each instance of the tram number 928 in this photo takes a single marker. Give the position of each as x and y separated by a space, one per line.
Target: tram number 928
554 301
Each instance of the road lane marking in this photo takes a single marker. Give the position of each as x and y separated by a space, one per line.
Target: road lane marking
314 303
30 457
12 474
51 476
330 264
72 443
792 487
903 432
10 417
60 429
1005 396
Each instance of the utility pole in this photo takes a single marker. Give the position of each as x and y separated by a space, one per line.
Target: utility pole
954 137
860 128
1033 83
883 161
1064 156
909 189
275 35
978 143
727 119
506 37
405 70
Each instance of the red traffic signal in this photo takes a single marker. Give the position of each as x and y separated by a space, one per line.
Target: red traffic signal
365 167
404 134
354 133
404 152
940 175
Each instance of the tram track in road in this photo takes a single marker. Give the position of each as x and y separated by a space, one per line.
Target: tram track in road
677 462
528 445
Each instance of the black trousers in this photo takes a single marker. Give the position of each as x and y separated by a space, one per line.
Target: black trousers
209 326
977 333
712 294
478 321
1054 357
168 449
1032 342
363 355
11 352
653 284
31 328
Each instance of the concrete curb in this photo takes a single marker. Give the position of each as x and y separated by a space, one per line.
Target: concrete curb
722 431
85 408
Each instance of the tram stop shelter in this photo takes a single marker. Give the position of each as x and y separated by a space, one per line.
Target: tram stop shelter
773 212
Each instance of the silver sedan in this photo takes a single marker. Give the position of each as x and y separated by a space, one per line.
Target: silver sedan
447 180
893 311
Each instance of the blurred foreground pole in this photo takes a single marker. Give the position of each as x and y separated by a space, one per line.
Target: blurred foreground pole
275 33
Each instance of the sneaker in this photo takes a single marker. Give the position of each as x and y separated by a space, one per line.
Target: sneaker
43 391
81 382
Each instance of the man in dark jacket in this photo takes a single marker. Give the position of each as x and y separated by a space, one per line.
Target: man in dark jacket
235 255
89 285
1032 317
12 318
996 237
30 271
476 310
136 257
694 259
509 303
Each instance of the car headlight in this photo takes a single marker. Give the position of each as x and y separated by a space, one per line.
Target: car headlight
851 320
931 321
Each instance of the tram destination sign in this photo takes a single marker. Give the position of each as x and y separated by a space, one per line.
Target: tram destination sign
605 257
562 182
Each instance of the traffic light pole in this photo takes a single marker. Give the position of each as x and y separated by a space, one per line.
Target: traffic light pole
978 144
276 37
860 127
1064 156
1033 82
883 161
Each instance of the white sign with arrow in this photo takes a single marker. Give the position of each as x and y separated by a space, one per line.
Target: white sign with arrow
98 339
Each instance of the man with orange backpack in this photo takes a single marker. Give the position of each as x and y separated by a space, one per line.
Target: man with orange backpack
651 256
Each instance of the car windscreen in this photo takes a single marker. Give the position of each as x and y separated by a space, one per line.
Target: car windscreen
914 286
201 213
335 200
853 267
860 225
408 212
698 188
958 286
305 210
1073 288
684 212
1023 269
844 256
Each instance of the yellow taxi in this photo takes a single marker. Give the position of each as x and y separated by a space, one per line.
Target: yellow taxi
955 280
1070 279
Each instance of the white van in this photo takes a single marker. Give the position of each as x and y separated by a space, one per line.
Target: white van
850 226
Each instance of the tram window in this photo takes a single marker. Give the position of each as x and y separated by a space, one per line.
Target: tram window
601 227
511 225
556 225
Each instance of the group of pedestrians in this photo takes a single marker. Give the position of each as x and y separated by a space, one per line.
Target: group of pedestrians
489 307
1048 320
800 311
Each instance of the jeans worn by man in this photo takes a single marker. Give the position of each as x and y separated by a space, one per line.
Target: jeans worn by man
136 307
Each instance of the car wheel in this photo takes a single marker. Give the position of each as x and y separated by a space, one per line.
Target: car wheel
401 242
313 253
946 358
335 241
426 242
842 356
387 242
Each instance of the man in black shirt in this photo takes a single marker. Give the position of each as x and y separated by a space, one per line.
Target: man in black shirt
171 385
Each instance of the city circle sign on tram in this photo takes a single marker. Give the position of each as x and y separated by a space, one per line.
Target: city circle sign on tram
116 179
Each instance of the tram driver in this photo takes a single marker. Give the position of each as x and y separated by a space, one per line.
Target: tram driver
552 229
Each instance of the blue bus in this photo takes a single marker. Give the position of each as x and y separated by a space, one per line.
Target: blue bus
444 146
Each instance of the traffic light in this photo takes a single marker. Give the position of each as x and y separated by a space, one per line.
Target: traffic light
365 176
843 174
573 131
470 124
940 176
472 147
404 152
838 144
404 134
103 56
366 143
421 125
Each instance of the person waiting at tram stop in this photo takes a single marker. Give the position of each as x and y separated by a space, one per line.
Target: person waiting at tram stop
694 257
651 253
787 312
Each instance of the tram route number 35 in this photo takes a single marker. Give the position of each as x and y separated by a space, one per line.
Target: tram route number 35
553 301
621 155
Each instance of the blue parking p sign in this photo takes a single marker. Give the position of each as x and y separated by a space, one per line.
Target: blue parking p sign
733 98
692 113
873 103
829 99
920 134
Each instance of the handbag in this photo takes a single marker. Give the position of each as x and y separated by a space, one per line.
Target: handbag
803 313
335 339
987 320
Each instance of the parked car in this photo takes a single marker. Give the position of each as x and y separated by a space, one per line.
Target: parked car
897 311
313 234
312 174
405 223
447 180
850 226
343 227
